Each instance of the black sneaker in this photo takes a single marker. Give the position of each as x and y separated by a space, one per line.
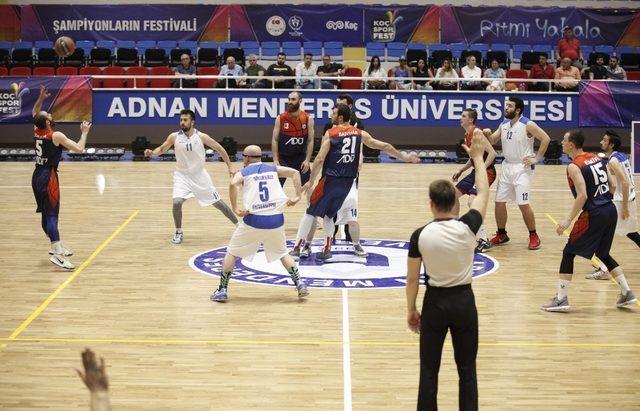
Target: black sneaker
483 246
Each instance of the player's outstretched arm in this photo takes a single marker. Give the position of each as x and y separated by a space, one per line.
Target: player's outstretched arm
476 153
621 179
60 139
540 135
168 143
274 142
234 185
211 143
581 197
319 161
388 148
288 172
44 94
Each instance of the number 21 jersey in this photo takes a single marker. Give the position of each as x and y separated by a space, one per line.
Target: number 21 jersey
343 159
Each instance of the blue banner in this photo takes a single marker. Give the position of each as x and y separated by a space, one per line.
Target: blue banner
398 109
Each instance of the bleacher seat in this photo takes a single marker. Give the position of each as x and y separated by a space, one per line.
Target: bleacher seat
106 44
475 53
4 71
143 45
77 59
586 51
633 75
176 55
126 57
395 50
66 71
92 71
207 82
269 53
161 82
118 82
438 56
229 45
167 45
137 82
85 45
100 57
190 45
619 51
7 45
416 46
250 47
501 56
544 48
125 44
351 84
413 55
155 57
22 57
609 50
334 49
518 74
518 49
207 56
630 61
594 56
293 49
313 47
501 47
43 45
237 53
457 49
375 49
44 71
4 57
22 71
23 45
208 45
47 57
291 44
529 58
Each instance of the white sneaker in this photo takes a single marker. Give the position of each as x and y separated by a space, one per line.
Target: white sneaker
177 238
598 275
65 252
60 261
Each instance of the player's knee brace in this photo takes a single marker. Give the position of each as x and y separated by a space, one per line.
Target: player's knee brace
566 265
608 261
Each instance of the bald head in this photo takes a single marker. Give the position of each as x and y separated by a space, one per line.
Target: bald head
252 154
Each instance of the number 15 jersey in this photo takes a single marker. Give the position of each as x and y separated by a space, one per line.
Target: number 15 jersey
595 178
343 159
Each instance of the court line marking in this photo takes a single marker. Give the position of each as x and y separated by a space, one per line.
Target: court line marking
69 279
346 352
595 260
306 343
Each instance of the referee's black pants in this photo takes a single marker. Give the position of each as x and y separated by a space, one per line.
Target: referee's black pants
443 309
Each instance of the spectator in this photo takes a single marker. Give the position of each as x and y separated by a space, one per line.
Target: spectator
422 71
375 77
446 71
230 69
329 69
254 69
597 71
542 70
614 71
306 73
186 71
569 47
495 71
471 71
402 71
280 69
567 76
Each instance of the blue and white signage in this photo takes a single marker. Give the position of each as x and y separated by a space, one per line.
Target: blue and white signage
385 267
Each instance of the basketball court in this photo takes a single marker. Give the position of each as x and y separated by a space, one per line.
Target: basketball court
143 304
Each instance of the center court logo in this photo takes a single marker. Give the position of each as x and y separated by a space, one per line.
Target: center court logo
385 267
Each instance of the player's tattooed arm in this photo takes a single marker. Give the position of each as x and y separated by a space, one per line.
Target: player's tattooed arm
161 149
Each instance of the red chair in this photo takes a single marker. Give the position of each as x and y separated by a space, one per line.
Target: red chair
92 71
161 82
66 71
44 71
4 71
139 82
207 82
633 75
113 82
519 73
20 71
351 84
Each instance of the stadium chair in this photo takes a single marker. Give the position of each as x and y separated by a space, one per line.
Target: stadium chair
77 59
413 55
291 44
85 45
437 46
190 45
22 71
375 49
269 53
43 45
463 57
501 56
113 82
237 54
23 45
43 71
501 47
529 58
4 71
518 50
293 49
161 82
417 46
137 82
609 50
92 71
593 56
438 56
7 45
155 57
208 45
633 75
270 45
229 45
543 48
21 57
250 47
586 51
351 84
395 50
106 44
207 57
176 55
313 47
619 51
125 44
167 45
457 49
518 74
143 45
630 61
207 82
333 49
481 47
66 71
126 57
100 57
47 57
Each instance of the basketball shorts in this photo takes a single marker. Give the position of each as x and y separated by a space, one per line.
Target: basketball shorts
349 210
295 162
468 184
46 190
630 225
198 185
329 195
593 232
246 241
514 183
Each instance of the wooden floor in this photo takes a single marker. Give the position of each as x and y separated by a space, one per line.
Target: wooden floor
137 302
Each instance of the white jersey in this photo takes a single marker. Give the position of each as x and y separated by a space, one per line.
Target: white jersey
262 193
516 144
190 153
626 166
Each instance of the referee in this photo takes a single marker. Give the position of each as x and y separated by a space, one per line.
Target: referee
445 247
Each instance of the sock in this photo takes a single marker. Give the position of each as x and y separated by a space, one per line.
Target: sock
354 231
502 231
603 267
621 280
177 213
52 228
563 288
327 244
635 237
179 230
303 230
327 230
295 274
224 279
56 246
226 210
482 233
312 232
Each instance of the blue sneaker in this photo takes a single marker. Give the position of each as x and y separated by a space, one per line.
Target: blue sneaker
302 289
220 295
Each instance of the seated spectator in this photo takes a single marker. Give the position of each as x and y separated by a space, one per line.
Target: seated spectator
186 70
614 71
230 69
495 71
597 71
329 69
375 77
567 76
422 71
253 69
471 71
446 71
281 69
569 47
306 73
402 71
542 70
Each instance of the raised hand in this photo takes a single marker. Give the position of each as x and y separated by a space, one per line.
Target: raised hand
94 376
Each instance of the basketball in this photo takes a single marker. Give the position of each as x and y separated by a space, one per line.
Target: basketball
64 46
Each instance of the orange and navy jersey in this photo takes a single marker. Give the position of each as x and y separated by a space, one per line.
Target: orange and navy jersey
467 140
596 180
47 153
343 158
294 132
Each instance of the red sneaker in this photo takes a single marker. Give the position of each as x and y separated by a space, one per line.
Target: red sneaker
499 239
534 241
